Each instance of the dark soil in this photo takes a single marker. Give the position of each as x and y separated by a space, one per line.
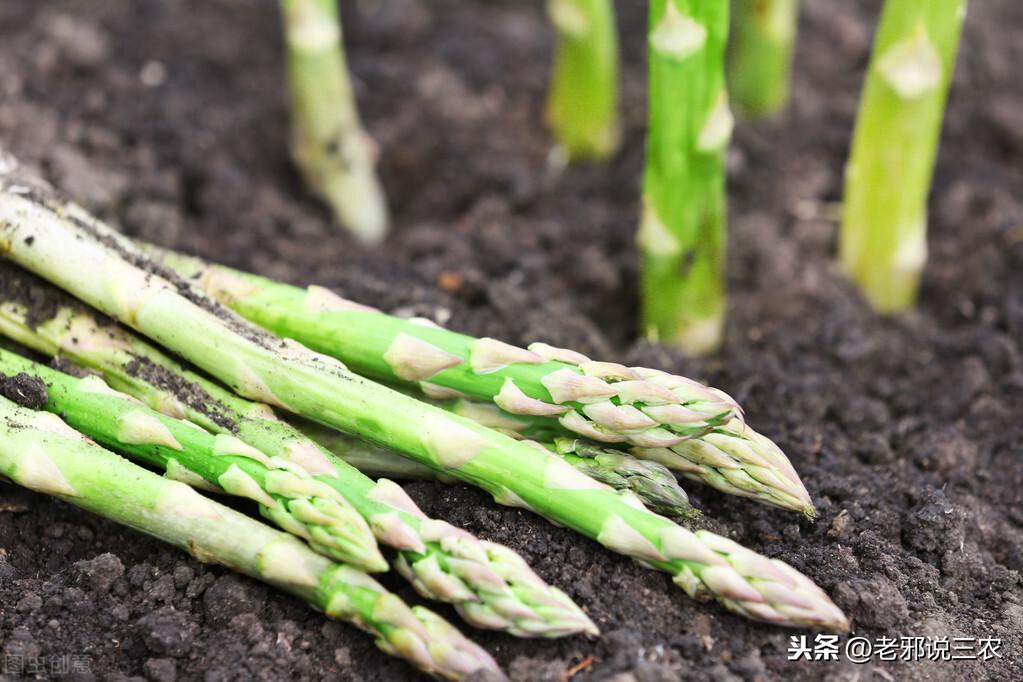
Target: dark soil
25 390
168 119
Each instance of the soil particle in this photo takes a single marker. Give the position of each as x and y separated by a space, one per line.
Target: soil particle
24 390
21 287
230 597
160 670
875 603
934 524
100 573
167 631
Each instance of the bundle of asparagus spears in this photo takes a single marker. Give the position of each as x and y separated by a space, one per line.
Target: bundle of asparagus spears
297 398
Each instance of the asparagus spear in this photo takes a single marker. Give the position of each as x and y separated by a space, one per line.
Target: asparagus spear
286 493
883 239
695 430
331 149
582 106
760 55
682 232
651 482
732 458
40 452
59 240
490 585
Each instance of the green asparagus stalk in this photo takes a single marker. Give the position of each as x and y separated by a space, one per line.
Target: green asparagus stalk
42 453
760 55
883 240
582 106
651 482
546 391
59 241
369 458
682 232
490 585
286 493
335 155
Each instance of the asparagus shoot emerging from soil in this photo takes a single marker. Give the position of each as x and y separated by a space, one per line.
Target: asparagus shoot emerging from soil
682 231
286 493
546 391
883 240
582 106
760 55
490 585
42 453
59 241
336 156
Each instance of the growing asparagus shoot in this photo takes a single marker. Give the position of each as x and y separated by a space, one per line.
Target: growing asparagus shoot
582 105
59 241
490 585
883 239
335 155
542 391
682 230
42 453
760 55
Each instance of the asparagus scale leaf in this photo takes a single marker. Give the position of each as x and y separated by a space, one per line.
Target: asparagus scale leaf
59 241
490 585
42 453
883 238
542 391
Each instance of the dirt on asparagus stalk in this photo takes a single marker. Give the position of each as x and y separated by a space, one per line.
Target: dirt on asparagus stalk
582 105
58 241
42 453
490 585
883 238
690 428
335 155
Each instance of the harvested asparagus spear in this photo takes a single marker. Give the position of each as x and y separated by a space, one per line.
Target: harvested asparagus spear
732 458
42 453
883 239
286 493
490 585
582 105
651 482
331 149
59 241
695 430
682 232
760 55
